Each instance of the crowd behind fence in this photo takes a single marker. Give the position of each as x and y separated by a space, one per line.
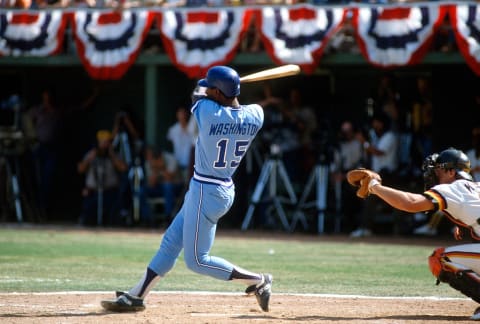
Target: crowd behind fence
293 131
290 124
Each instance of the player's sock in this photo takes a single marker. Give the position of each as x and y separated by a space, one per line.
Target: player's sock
143 287
246 277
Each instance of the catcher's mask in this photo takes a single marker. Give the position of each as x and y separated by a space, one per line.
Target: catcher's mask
449 159
428 168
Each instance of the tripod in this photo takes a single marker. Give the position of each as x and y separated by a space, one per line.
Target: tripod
136 177
9 158
121 140
319 176
100 176
131 183
268 175
253 154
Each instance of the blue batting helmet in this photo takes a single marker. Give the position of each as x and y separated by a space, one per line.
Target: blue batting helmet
223 78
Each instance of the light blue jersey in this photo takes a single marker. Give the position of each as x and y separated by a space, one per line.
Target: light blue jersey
225 133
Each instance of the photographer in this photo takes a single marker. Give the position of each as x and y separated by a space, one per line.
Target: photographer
46 118
14 165
348 154
128 144
126 136
102 168
163 179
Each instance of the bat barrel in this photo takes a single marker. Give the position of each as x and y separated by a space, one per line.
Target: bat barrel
273 73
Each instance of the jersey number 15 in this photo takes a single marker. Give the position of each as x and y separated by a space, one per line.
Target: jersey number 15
239 151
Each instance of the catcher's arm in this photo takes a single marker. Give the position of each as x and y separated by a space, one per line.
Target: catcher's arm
402 200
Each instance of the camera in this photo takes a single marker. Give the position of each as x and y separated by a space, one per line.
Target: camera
323 144
275 150
12 140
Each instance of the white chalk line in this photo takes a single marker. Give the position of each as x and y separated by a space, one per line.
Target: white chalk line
212 293
215 314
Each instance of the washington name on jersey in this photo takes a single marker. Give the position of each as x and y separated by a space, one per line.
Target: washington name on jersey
233 129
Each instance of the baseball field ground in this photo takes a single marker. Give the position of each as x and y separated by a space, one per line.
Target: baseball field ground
60 274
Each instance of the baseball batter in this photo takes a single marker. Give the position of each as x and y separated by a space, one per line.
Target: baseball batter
450 189
225 131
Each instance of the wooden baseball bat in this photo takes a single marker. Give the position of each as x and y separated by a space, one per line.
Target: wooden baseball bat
273 73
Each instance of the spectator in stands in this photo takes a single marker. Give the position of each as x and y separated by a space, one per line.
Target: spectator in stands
444 37
182 139
281 132
194 3
128 144
272 108
252 42
48 127
474 154
343 41
304 115
304 121
422 119
348 155
386 90
46 119
382 148
18 4
102 169
163 179
127 135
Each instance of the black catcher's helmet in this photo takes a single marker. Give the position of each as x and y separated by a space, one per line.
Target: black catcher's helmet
455 159
448 159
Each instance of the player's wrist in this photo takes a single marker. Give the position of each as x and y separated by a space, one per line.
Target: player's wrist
372 184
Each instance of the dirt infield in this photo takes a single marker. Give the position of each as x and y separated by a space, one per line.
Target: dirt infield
213 308
232 308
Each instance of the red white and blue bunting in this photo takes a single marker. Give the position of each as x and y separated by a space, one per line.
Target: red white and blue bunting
197 39
396 36
299 34
31 33
108 42
466 25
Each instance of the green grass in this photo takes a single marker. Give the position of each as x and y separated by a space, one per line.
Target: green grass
38 260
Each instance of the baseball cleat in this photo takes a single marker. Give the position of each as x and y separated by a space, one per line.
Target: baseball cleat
250 290
124 303
119 293
264 291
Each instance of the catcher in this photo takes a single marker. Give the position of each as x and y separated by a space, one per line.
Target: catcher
449 188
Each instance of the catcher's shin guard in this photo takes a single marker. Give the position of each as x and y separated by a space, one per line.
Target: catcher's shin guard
435 261
464 280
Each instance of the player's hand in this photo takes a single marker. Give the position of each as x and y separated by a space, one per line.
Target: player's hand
361 178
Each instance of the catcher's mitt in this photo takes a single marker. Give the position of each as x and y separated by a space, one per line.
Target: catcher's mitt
361 178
